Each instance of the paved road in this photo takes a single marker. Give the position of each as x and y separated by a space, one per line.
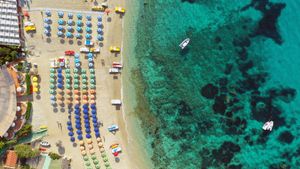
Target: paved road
66 10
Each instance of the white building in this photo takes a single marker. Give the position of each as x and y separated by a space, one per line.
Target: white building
9 23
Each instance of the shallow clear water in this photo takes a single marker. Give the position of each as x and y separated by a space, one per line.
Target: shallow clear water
204 106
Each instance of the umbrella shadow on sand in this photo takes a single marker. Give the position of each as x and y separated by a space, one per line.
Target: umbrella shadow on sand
61 148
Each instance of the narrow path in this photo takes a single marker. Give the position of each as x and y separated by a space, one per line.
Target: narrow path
65 10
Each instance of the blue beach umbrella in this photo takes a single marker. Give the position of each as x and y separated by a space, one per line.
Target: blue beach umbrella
48 13
78 36
99 37
53 103
77 65
93 106
79 16
78 126
47 26
88 29
70 128
88 17
71 133
77 111
70 29
70 22
77 117
96 130
52 97
91 64
88 136
78 121
88 130
69 35
95 125
99 18
94 111
95 120
88 36
59 75
90 59
61 22
79 132
69 123
60 86
79 137
88 23
60 14
85 106
79 29
90 55
97 134
94 115
47 20
60 28
77 106
59 70
86 116
99 24
76 55
99 30
70 15
86 121
79 23
46 32
72 139
60 81
60 33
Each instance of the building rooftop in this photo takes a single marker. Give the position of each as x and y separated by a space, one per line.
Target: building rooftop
9 23
11 160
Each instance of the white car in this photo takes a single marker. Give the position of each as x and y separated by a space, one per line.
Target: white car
115 150
45 144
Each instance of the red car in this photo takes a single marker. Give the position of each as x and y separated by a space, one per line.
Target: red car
69 53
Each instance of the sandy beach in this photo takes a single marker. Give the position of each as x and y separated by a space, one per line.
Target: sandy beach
42 49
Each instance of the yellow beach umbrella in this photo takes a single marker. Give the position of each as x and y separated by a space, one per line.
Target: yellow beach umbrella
35 79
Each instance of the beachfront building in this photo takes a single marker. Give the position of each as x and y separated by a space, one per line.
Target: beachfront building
9 23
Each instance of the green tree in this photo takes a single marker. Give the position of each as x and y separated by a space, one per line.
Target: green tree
11 142
2 144
54 156
25 151
28 110
25 130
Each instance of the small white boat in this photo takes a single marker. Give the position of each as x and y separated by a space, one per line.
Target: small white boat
184 43
113 128
117 65
114 70
268 125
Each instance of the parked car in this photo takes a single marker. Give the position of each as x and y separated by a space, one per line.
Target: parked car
45 144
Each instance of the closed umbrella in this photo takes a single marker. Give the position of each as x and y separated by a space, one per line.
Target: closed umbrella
79 16
70 15
60 14
70 22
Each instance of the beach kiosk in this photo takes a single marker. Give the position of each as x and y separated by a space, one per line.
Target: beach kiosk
116 102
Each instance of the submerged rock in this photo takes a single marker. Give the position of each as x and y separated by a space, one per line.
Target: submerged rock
286 137
209 91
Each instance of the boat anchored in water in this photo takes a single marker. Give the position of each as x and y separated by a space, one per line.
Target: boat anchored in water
268 125
184 43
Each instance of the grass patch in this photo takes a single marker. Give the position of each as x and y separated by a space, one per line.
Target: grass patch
28 111
28 84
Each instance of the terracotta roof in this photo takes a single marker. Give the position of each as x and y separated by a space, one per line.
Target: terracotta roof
11 159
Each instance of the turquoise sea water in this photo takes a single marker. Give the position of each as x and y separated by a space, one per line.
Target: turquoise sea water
204 107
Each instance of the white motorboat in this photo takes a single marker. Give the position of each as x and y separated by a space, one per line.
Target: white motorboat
268 125
184 43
